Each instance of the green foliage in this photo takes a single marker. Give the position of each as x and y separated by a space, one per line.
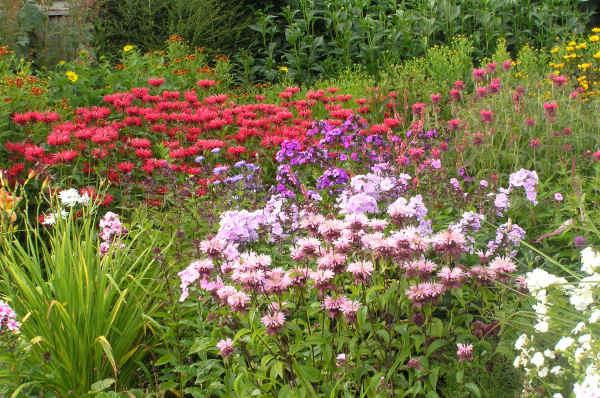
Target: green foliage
86 319
318 37
218 26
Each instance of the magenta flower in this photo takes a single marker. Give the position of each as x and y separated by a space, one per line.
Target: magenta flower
225 347
464 352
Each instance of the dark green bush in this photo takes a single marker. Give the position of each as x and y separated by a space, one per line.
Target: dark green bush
217 25
316 37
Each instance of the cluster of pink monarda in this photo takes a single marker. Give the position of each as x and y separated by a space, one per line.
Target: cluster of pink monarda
334 254
111 230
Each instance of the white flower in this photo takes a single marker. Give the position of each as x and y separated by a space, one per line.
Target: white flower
580 352
69 197
549 354
594 316
51 218
578 328
557 395
542 326
521 341
590 260
539 279
543 372
537 359
564 343
590 386
556 370
584 339
520 361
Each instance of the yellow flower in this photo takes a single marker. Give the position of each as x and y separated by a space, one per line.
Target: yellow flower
283 69
597 55
570 49
571 43
581 46
554 50
128 48
596 30
594 38
72 76
61 62
585 66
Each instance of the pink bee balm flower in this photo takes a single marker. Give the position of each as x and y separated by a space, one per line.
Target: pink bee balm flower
361 270
424 292
273 321
550 109
503 265
225 347
238 301
322 278
349 308
421 268
340 360
464 352
451 277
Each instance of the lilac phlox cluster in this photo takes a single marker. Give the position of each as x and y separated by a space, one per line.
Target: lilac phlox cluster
280 216
240 226
332 178
502 201
401 210
508 236
359 203
245 171
366 190
526 179
292 153
286 181
111 230
470 222
8 318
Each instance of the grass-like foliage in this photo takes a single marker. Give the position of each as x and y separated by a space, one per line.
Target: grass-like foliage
85 315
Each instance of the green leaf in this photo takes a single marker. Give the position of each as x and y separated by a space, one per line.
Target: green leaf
474 389
200 345
434 346
102 385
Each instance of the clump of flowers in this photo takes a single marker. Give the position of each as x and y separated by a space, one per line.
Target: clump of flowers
329 267
111 232
563 355
8 318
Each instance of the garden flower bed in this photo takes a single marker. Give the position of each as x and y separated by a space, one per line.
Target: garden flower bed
167 233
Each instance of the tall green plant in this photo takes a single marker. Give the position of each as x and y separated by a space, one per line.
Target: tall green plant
84 316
